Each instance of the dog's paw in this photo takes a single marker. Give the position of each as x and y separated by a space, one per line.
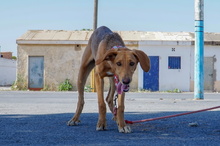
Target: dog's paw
73 122
125 129
101 127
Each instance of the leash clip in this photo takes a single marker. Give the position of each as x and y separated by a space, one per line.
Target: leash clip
115 105
115 100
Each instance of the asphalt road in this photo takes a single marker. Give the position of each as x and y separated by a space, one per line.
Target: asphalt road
39 118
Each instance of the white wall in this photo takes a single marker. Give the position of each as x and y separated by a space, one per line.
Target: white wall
214 51
210 51
169 79
7 71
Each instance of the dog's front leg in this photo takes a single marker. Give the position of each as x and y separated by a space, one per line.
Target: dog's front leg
101 125
122 127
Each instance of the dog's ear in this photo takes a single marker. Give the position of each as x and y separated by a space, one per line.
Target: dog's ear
109 55
143 59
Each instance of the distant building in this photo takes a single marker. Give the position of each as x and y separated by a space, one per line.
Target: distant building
48 57
7 55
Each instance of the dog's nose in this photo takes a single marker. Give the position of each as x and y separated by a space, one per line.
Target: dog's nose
126 81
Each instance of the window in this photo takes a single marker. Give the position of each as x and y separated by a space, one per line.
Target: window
174 62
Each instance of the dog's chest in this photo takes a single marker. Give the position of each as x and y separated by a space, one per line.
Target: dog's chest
109 73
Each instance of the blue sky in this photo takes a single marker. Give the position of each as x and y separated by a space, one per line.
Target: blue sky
18 16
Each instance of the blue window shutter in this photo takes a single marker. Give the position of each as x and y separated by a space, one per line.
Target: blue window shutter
174 62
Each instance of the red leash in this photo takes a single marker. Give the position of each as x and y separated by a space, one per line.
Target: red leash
170 116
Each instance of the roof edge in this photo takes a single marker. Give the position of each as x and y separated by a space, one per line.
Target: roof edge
49 42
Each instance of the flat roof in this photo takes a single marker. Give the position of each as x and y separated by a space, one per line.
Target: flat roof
64 35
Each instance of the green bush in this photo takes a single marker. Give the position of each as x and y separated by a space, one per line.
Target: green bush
174 91
88 88
65 86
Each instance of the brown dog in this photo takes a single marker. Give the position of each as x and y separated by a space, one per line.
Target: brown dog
106 50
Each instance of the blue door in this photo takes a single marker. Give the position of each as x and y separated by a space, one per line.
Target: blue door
36 73
151 78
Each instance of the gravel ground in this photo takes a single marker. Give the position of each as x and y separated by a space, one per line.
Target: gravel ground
39 118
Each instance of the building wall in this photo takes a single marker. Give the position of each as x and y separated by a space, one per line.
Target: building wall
7 71
183 78
214 51
60 62
209 51
169 79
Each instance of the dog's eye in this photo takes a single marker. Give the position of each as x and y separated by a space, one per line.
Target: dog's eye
118 63
132 63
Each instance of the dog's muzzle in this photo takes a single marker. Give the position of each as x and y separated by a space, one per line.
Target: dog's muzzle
122 88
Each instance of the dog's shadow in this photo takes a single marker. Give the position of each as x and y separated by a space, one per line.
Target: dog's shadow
51 129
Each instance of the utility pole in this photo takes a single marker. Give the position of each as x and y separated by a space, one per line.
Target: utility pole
199 50
95 18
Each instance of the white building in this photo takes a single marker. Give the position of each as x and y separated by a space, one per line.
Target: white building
7 71
172 58
172 62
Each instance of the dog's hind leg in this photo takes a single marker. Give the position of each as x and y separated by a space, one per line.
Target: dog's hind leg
87 65
111 92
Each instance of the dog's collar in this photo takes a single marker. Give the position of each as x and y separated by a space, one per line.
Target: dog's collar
117 47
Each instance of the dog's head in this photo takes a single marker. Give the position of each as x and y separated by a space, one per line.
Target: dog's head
124 61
